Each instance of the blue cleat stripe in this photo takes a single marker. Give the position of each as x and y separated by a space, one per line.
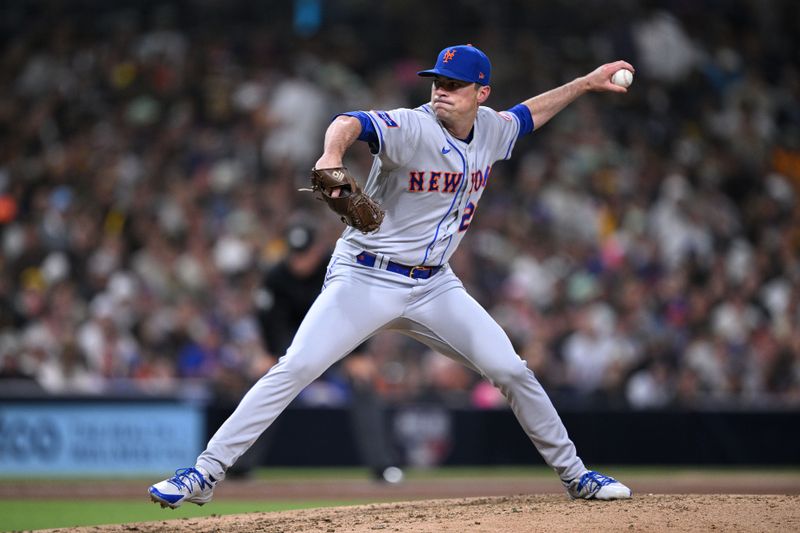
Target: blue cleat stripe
169 498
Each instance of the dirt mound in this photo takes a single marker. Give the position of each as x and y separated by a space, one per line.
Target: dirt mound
524 513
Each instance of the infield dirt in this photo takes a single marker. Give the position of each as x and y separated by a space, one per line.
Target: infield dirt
522 513
679 502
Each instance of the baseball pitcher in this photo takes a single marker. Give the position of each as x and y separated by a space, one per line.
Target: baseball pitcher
389 270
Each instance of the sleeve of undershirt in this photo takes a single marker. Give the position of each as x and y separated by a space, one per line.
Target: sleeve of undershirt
522 112
368 132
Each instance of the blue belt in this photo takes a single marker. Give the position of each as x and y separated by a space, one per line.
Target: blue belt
414 272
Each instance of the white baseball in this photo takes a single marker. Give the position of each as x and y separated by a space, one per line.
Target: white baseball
623 77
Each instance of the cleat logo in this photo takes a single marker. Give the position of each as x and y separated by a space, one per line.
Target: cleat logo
450 54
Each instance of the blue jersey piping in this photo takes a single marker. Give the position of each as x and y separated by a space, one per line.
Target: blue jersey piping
380 134
464 180
511 143
444 253
508 152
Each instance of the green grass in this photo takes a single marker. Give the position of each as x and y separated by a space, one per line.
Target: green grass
44 514
449 472
488 472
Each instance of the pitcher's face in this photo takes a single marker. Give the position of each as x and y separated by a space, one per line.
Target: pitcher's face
452 99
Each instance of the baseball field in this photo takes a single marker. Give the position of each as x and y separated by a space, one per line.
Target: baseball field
511 499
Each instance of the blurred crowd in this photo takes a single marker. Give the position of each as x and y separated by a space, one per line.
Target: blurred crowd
641 250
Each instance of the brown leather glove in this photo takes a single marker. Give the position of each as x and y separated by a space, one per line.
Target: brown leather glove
355 208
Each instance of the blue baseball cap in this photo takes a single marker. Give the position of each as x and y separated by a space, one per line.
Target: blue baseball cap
463 62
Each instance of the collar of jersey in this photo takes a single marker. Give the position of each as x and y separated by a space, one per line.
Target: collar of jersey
469 137
427 108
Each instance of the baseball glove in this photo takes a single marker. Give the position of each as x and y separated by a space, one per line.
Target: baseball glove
351 204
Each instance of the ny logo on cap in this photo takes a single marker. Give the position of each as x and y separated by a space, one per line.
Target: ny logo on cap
450 54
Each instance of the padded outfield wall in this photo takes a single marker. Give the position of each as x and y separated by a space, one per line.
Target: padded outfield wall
69 436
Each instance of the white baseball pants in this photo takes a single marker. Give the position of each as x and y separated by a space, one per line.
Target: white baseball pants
358 301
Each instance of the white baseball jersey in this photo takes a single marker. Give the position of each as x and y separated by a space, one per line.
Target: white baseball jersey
429 182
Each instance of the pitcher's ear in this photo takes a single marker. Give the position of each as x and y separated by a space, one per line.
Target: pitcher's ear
483 93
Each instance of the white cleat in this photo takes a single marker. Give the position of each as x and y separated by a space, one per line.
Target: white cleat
193 485
595 486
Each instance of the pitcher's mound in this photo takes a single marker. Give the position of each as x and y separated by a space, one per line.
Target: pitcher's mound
510 514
